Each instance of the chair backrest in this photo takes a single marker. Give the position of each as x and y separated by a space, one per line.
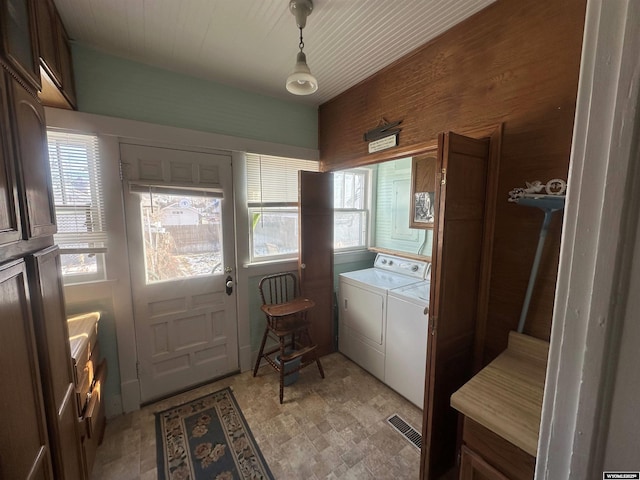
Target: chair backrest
278 288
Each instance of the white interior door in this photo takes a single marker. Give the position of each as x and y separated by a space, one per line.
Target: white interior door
179 213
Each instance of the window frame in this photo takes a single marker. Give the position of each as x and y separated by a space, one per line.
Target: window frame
96 239
367 210
281 202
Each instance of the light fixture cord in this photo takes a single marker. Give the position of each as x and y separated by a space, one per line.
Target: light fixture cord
301 45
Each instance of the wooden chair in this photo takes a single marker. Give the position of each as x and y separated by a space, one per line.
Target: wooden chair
286 314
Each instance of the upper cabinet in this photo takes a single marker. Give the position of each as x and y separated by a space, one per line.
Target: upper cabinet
9 213
31 152
58 88
423 188
19 50
46 23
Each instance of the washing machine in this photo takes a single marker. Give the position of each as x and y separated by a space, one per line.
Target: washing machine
363 308
407 330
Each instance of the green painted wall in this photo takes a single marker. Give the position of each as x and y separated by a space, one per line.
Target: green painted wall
116 87
393 193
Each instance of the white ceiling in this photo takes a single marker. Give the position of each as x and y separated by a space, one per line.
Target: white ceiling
252 44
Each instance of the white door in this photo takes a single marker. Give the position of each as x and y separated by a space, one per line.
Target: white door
179 213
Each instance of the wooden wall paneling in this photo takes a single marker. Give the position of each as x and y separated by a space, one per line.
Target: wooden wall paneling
515 63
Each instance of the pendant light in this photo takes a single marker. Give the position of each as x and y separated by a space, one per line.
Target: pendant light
301 81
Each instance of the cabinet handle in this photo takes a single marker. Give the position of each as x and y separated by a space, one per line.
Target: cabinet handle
426 310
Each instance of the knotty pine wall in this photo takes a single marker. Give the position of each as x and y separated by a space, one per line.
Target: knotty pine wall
516 63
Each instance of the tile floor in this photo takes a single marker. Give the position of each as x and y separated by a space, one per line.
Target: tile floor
331 428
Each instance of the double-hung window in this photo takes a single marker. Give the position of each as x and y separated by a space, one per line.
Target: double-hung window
272 195
77 190
351 208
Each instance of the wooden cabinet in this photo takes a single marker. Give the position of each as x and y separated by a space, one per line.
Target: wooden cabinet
58 87
474 467
19 50
316 255
24 444
39 415
66 65
460 191
32 158
9 214
47 37
52 340
485 455
423 188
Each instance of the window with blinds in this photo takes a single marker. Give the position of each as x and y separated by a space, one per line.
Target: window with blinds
272 196
351 209
79 203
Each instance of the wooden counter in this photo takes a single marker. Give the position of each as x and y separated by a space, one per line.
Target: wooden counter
506 396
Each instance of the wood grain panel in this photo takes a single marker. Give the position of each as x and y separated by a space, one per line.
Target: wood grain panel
515 463
515 63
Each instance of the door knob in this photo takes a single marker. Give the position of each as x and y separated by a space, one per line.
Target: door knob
229 284
303 266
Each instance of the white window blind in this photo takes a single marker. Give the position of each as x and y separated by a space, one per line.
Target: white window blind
77 191
274 180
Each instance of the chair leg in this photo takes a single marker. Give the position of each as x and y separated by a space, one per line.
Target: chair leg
315 353
282 347
264 340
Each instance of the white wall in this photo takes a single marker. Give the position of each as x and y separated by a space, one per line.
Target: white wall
588 377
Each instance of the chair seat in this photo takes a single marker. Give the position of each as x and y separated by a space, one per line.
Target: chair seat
297 305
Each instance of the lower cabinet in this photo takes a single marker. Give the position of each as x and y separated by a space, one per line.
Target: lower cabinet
474 467
52 339
487 456
24 443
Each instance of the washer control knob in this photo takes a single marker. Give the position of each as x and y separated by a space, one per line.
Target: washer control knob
390 262
414 268
384 261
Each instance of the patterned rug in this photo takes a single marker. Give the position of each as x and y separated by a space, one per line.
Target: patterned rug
208 439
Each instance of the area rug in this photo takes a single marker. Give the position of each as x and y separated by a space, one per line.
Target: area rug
208 439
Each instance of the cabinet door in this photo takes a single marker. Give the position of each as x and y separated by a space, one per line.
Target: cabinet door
455 274
9 213
315 263
52 339
474 467
24 444
30 144
47 38
423 188
19 48
66 64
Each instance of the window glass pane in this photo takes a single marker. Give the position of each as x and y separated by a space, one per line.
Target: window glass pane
274 232
349 229
182 236
349 189
79 263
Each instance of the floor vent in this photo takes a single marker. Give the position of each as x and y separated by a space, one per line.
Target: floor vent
406 430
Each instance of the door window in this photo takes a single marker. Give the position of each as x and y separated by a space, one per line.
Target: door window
182 235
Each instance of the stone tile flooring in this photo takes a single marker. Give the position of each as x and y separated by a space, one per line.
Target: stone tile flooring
331 428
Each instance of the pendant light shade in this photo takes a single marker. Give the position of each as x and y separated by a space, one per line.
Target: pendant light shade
301 81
